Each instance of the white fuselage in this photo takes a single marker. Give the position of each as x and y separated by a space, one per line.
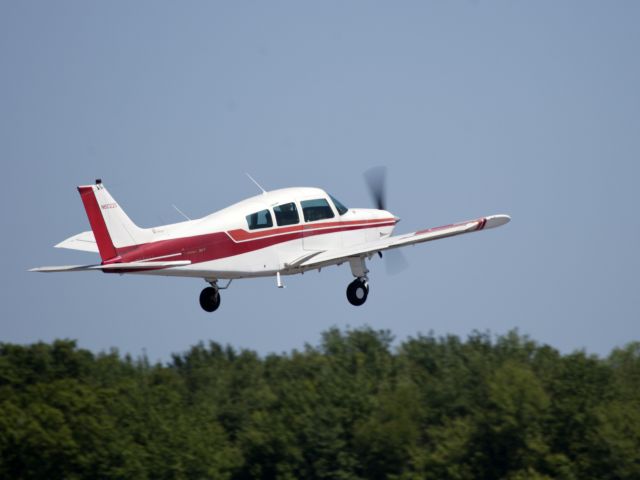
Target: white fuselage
224 245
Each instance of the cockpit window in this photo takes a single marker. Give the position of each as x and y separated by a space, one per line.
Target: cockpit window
339 206
318 209
261 219
286 214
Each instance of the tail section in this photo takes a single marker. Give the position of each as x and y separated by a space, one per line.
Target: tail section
112 228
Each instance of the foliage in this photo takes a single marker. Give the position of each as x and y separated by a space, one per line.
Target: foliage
353 407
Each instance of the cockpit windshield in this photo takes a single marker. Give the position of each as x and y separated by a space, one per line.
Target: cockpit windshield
339 206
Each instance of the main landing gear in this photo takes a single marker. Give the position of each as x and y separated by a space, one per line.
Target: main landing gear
210 296
210 299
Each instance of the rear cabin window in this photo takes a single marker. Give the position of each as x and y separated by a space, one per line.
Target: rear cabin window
261 219
318 209
286 214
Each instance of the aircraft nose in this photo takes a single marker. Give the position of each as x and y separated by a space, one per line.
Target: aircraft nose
387 214
394 217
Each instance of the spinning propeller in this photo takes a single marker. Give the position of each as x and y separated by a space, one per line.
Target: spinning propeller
376 179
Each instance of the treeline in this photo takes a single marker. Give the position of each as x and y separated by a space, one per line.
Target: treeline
352 407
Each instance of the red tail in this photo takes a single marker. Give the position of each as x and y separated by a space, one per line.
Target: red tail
98 225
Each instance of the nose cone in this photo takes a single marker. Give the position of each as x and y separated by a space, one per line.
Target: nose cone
374 214
389 215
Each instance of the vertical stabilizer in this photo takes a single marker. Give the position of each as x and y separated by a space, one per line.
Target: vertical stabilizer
111 226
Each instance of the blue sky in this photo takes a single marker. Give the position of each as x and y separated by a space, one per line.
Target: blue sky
526 108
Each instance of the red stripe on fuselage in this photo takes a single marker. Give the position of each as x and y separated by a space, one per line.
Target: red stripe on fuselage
241 235
214 246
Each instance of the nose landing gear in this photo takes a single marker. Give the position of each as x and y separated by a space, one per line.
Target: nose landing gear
357 292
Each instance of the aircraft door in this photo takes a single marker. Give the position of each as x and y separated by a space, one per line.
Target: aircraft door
318 218
287 216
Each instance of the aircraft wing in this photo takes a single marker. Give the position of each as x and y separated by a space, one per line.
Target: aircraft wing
330 257
113 267
84 241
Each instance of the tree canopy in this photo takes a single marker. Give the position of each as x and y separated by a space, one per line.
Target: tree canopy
352 407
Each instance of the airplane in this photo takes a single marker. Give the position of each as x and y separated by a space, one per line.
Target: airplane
276 233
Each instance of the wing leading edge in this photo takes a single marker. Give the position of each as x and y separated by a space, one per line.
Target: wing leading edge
333 256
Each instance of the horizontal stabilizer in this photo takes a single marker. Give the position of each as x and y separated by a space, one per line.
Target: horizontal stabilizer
113 266
84 241
64 268
143 265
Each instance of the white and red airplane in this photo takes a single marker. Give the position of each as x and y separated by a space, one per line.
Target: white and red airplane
281 232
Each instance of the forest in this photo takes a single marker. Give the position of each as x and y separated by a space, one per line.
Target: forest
359 405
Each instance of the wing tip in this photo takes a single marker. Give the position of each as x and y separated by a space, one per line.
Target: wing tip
497 220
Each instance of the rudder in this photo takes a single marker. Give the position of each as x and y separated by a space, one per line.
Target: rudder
111 226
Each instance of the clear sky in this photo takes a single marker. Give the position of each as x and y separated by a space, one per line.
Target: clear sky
525 108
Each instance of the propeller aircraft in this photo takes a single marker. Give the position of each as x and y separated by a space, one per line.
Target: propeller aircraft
280 232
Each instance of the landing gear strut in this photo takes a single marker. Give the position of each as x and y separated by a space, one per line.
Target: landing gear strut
357 292
210 299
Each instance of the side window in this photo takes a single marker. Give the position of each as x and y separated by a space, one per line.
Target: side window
286 214
261 219
316 210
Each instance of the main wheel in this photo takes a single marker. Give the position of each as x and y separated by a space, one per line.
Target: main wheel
357 292
210 299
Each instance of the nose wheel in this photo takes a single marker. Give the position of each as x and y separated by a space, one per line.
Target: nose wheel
210 299
357 292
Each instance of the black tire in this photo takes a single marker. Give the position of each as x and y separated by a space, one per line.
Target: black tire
357 292
210 299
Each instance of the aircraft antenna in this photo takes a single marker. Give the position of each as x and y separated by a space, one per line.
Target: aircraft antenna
180 212
257 184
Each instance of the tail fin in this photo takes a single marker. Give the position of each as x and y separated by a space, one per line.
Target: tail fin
112 228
